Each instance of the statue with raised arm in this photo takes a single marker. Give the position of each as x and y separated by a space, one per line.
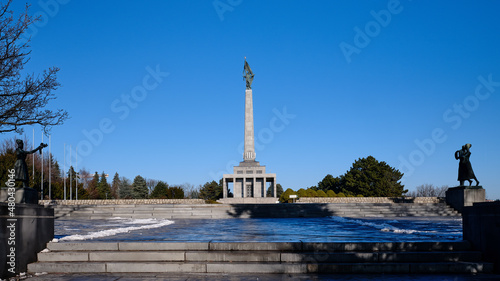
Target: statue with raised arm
248 75
21 169
465 171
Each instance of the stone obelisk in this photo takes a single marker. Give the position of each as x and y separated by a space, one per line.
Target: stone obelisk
250 182
249 154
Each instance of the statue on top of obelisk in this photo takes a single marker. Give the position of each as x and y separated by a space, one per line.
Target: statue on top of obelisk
248 74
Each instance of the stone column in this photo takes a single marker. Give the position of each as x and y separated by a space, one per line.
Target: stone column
254 185
249 154
224 188
274 187
264 182
244 186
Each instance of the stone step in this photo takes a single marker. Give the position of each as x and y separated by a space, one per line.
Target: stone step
267 267
261 213
258 211
331 247
260 256
265 257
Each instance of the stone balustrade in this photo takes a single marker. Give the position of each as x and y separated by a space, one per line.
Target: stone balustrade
418 200
123 202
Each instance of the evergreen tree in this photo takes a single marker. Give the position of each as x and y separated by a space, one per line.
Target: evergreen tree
7 159
103 188
211 191
279 191
92 191
115 184
125 188
139 188
330 183
71 183
175 192
160 191
371 178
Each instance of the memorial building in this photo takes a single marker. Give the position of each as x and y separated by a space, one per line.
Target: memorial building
249 179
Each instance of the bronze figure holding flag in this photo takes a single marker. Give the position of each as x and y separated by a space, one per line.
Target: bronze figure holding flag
248 75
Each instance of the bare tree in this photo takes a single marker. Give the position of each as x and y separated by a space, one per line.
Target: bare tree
190 191
22 98
428 190
151 183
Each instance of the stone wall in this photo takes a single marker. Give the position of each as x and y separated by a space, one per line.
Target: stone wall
418 200
123 202
31 228
481 227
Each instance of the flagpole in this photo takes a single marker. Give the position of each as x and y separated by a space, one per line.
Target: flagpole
33 156
64 171
76 165
70 176
42 171
50 174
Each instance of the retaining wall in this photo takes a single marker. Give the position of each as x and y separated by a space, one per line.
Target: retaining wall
481 227
418 200
123 202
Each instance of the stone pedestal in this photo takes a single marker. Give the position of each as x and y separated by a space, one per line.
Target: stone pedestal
481 227
462 196
25 229
23 195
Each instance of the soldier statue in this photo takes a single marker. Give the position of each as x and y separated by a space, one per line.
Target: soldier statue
248 75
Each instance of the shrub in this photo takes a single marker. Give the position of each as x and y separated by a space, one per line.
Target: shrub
311 193
302 193
321 193
285 197
331 193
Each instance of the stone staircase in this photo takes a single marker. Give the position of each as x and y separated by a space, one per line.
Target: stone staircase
222 211
271 258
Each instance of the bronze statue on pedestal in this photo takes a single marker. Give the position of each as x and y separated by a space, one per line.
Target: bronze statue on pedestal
20 167
465 171
248 75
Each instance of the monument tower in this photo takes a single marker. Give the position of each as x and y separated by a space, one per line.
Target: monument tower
249 178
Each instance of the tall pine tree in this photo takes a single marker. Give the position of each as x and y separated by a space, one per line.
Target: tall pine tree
125 188
115 184
371 178
103 187
139 188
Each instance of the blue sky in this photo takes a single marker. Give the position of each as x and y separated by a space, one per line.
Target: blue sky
154 88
